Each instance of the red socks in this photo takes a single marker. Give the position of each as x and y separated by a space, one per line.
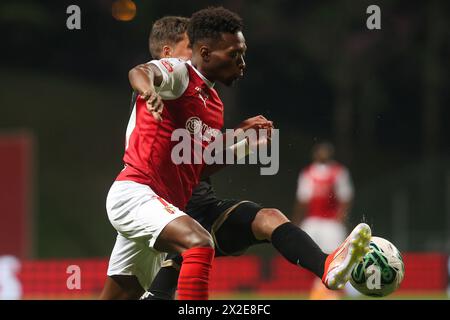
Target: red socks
193 281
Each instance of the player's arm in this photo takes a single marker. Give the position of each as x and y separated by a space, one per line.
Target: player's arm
298 213
343 210
242 147
143 79
303 195
159 79
344 194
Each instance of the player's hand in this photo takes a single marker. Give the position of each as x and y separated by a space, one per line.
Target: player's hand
256 123
154 104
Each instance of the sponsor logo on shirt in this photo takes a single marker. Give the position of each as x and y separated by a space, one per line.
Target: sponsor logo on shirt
197 127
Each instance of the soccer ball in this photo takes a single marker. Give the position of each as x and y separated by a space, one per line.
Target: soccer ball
381 271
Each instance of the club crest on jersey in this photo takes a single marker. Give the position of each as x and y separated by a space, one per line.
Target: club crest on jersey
167 65
202 95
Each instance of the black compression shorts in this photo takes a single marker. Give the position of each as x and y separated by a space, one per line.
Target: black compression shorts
229 222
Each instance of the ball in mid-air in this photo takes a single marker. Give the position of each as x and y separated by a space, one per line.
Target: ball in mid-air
381 271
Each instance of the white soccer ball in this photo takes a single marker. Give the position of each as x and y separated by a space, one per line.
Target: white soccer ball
381 271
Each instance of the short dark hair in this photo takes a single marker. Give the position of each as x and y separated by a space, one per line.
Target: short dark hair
167 30
209 23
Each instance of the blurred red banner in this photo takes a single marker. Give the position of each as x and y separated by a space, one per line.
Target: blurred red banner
15 194
51 279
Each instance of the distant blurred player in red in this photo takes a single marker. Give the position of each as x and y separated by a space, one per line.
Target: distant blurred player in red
324 196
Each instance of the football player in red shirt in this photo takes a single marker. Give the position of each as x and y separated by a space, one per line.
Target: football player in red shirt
234 224
145 202
324 195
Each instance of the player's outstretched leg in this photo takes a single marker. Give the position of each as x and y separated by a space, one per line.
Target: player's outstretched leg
298 247
341 262
294 244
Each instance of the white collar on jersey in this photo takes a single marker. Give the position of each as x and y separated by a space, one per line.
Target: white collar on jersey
208 83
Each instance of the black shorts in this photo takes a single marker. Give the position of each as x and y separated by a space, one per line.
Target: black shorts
229 222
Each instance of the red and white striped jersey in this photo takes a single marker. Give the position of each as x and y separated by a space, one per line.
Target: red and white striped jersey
322 187
190 102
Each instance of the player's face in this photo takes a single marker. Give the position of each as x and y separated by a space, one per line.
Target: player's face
227 58
182 50
322 154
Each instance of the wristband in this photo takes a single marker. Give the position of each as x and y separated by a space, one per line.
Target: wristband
241 149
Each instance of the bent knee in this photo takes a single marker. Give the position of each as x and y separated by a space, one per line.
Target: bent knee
199 239
266 221
272 215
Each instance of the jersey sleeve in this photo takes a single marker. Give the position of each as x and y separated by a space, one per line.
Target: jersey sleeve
344 186
304 188
175 78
